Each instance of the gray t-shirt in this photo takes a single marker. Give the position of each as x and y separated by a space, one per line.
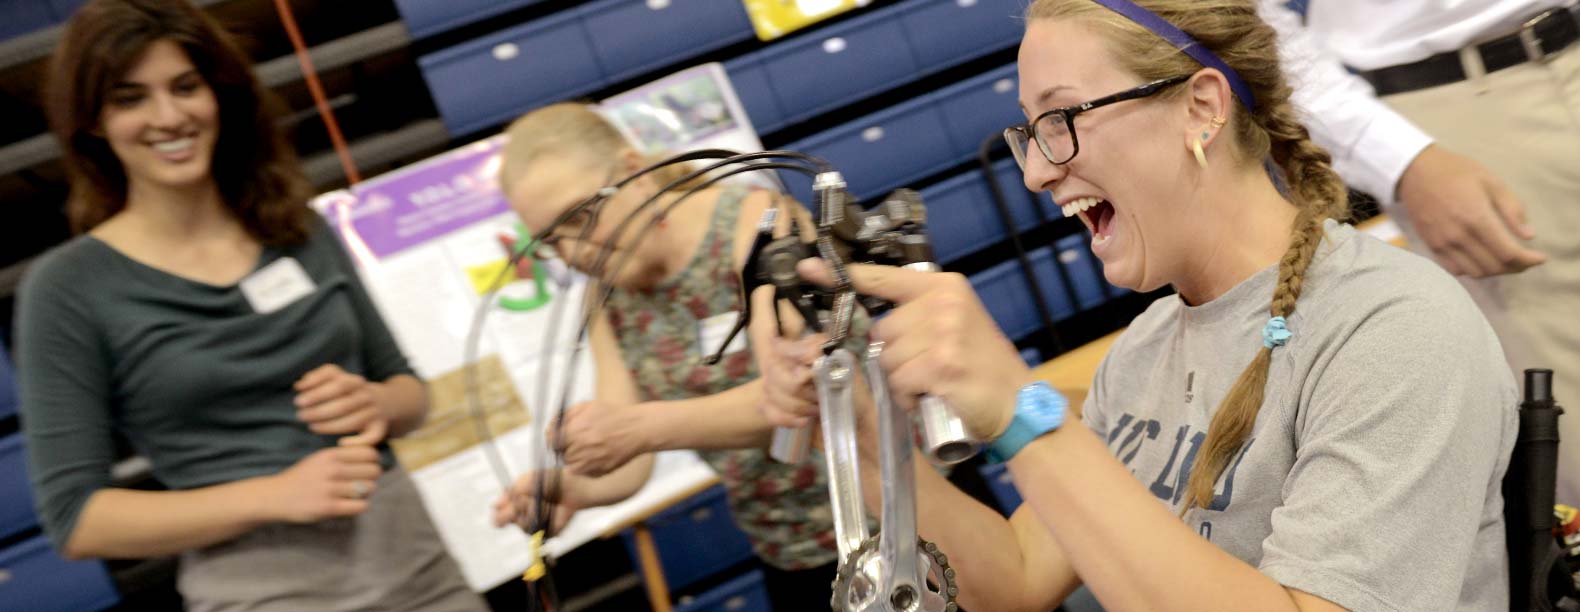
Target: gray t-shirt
1372 476
188 372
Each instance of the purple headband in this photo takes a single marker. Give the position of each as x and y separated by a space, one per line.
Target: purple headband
1177 37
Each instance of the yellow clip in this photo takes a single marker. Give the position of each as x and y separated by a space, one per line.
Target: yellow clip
537 569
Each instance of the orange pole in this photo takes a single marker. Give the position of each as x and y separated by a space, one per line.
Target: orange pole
288 19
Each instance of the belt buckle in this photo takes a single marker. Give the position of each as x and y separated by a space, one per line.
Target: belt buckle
1533 45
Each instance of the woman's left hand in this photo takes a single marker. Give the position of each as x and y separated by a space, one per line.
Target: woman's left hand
333 401
940 340
597 437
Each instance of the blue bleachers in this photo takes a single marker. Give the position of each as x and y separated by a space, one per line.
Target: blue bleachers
745 593
961 216
490 80
19 17
1003 289
821 70
35 579
831 67
632 36
695 539
32 576
8 399
428 17
980 107
909 141
1003 487
881 151
16 496
1075 258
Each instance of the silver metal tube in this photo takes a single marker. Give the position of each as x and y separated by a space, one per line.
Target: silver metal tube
945 440
791 445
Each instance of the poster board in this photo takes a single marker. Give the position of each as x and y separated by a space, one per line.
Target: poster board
428 241
696 108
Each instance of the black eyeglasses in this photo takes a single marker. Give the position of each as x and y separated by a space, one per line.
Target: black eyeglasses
580 218
1054 131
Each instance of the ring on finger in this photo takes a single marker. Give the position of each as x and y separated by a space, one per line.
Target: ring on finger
360 489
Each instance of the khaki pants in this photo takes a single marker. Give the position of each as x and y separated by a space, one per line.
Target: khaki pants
1524 124
388 559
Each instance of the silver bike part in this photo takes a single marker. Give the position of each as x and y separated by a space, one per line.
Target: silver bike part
945 440
834 375
856 586
897 540
791 445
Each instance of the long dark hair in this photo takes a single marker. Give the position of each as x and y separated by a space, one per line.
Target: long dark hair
254 166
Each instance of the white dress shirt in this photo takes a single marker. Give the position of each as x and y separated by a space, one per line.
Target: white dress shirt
1371 145
1372 34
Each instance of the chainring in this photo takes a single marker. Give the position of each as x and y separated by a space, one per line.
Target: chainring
856 584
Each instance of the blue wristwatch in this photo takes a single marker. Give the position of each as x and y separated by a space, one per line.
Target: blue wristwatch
1038 410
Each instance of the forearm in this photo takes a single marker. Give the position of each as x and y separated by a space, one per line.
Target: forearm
130 524
725 420
1093 507
404 400
613 487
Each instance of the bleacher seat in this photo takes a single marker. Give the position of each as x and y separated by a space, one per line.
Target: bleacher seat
979 108
428 17
946 32
636 36
34 579
490 80
16 496
744 593
32 576
1002 485
881 151
695 538
961 216
1076 260
826 68
934 132
1003 291
64 8
18 17
8 399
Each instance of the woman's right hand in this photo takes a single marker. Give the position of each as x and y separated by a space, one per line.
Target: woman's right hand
789 395
517 505
333 482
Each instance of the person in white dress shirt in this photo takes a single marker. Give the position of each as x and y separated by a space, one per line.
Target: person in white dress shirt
1495 80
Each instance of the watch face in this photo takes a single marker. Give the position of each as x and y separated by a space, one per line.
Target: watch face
1041 400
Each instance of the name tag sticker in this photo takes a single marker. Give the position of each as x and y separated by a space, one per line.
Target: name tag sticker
276 285
712 331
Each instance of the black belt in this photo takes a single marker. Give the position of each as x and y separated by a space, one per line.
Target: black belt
1538 38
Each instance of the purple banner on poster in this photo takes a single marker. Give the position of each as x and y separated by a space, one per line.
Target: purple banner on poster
402 209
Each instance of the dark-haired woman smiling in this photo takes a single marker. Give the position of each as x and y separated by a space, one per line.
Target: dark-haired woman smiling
206 316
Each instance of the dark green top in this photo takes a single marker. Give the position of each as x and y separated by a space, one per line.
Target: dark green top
193 377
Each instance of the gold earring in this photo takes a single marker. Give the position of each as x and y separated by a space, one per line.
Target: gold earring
1218 122
1201 156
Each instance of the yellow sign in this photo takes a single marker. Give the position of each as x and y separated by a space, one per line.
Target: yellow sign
775 18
